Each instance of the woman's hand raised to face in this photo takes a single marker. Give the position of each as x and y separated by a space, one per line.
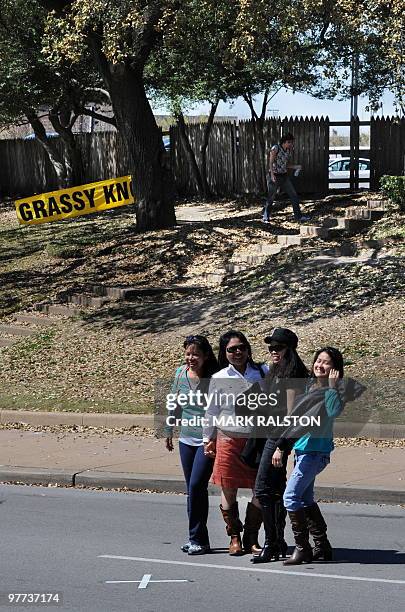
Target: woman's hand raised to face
333 378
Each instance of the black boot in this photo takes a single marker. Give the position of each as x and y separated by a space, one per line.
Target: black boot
317 528
251 528
303 551
281 514
271 548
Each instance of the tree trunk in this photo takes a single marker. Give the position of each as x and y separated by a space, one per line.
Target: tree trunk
258 125
207 132
152 180
55 158
259 129
73 154
189 153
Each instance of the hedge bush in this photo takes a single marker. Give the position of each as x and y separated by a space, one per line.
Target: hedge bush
394 188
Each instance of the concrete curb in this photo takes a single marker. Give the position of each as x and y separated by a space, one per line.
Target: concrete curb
173 484
34 475
88 419
109 420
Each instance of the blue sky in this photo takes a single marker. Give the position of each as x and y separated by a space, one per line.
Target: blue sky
287 104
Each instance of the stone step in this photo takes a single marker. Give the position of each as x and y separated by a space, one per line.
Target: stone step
349 249
344 250
14 330
349 225
248 258
128 293
34 320
215 278
379 204
267 249
314 230
370 214
372 244
88 301
234 268
7 342
59 309
289 239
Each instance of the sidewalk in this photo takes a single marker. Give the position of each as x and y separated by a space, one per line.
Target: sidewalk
363 474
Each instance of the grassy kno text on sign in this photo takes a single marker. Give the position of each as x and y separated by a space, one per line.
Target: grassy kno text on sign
75 201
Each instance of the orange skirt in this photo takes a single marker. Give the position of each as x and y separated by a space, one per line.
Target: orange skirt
229 471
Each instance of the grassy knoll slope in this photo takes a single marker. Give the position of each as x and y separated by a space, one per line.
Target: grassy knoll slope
108 359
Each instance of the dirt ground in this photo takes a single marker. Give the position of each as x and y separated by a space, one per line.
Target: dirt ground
109 359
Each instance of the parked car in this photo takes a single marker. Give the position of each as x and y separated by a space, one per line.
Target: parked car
48 135
340 169
166 142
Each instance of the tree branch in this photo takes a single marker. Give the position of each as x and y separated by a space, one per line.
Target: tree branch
249 101
91 113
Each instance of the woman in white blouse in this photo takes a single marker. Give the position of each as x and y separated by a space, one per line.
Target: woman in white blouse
226 442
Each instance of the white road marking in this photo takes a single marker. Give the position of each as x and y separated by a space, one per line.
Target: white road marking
254 569
139 581
144 582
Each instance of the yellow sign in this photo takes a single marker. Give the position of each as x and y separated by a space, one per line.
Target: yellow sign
75 201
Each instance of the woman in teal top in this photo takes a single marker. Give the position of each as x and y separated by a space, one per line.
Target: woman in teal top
200 364
312 455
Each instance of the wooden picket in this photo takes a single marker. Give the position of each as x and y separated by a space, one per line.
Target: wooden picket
387 148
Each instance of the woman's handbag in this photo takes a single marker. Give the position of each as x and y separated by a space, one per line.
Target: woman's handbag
252 452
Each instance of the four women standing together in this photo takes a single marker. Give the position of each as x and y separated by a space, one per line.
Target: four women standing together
218 451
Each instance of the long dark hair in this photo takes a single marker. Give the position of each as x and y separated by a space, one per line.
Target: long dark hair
334 354
223 343
291 366
210 365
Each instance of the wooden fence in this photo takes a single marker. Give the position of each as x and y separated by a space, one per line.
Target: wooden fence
387 150
222 168
233 156
26 170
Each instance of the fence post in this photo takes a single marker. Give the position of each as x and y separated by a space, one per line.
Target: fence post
324 153
354 153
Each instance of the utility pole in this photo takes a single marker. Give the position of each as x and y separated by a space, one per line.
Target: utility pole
354 97
354 125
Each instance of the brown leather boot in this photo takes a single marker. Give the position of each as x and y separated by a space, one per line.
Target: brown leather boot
233 528
317 528
303 551
253 522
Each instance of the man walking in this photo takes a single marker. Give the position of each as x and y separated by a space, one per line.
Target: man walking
277 177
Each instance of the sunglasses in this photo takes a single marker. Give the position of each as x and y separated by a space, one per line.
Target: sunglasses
190 339
277 348
237 347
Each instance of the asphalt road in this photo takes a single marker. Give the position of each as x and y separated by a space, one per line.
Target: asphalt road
103 551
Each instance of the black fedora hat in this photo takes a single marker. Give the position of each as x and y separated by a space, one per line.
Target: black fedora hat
283 336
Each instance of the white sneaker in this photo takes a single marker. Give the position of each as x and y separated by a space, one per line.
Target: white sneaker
198 549
185 547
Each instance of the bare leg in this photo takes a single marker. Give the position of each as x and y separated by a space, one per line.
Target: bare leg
228 498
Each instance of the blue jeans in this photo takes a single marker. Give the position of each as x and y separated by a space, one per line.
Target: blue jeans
284 182
197 470
299 492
